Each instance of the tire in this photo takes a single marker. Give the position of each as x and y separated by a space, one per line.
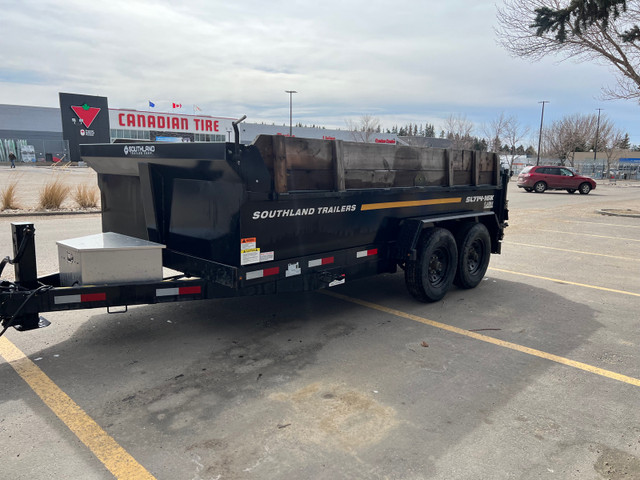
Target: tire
528 189
474 252
429 277
571 190
539 187
584 188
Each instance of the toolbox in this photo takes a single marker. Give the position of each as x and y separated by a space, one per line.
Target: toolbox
108 258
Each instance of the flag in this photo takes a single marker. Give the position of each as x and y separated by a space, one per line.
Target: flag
151 104
196 108
177 105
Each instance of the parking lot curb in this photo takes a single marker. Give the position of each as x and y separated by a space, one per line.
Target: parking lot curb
618 212
48 213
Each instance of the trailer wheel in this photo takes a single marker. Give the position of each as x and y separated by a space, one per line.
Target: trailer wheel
429 277
474 251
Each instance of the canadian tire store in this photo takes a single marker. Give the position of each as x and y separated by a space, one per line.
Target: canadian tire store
166 127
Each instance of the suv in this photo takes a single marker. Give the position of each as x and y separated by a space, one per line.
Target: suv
538 179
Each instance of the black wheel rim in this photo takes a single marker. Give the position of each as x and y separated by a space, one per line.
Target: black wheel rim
438 267
474 256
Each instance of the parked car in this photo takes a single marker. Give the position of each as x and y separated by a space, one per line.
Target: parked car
540 178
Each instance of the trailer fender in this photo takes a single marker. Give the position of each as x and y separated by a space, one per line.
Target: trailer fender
407 240
410 230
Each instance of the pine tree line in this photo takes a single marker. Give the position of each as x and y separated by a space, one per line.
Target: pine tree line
415 130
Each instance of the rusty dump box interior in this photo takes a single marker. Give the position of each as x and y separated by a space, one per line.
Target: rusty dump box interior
309 164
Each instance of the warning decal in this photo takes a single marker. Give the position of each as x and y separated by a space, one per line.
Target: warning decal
247 257
248 252
247 243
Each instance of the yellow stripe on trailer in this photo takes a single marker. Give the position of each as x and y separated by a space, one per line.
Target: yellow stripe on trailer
411 203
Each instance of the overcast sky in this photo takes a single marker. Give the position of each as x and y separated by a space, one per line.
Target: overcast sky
413 62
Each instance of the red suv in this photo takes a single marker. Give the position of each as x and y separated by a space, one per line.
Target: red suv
539 179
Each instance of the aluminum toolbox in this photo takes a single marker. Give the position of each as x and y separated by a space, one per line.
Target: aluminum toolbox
108 258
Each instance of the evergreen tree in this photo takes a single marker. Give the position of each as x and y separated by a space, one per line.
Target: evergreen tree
430 130
625 144
579 15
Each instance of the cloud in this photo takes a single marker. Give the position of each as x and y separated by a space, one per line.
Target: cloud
420 61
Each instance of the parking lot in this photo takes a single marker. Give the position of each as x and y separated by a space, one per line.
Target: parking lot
533 374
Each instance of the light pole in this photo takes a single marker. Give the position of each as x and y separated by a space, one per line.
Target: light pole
540 137
595 147
290 92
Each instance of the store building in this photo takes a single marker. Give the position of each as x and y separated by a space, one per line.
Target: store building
30 129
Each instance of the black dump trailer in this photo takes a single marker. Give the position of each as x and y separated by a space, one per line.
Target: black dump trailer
282 214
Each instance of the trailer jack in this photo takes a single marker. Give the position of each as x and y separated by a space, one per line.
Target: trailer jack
26 279
25 321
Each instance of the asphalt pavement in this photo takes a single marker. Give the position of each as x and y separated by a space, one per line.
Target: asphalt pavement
533 374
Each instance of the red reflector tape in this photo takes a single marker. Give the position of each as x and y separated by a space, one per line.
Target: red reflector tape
83 298
170 292
366 253
271 271
93 297
190 290
262 273
321 261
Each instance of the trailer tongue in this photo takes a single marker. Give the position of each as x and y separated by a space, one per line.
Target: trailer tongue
279 215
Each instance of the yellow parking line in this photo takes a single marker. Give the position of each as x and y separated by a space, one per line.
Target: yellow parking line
102 445
604 289
572 251
484 338
605 224
589 235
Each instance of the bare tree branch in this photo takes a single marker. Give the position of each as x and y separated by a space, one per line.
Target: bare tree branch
514 132
364 128
575 133
494 131
599 41
458 130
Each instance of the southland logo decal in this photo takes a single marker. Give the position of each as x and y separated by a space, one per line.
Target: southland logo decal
86 114
139 149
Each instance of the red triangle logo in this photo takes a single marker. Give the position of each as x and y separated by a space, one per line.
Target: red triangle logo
86 113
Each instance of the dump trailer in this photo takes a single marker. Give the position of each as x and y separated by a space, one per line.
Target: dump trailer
282 214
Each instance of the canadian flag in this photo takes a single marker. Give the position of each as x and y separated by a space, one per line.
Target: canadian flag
177 105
